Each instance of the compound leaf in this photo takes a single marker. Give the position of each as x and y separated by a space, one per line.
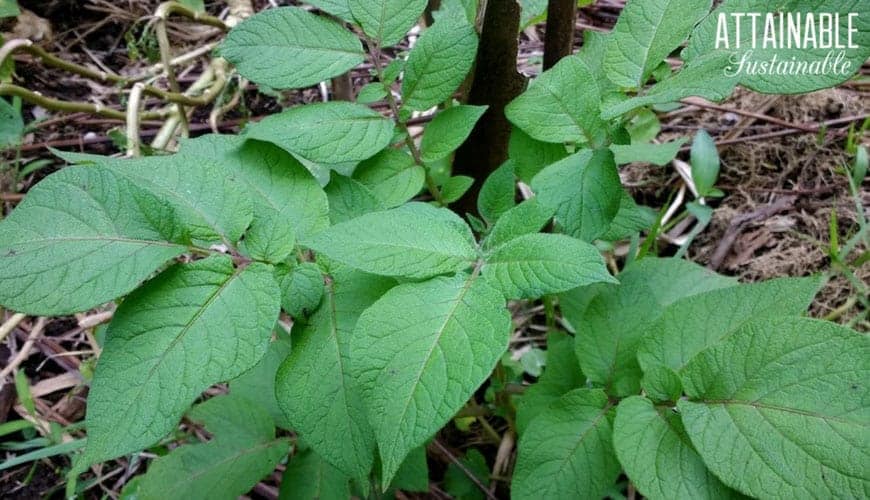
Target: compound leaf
289 47
534 265
438 63
567 450
82 237
328 132
653 448
420 352
192 326
645 34
779 409
415 240
386 21
242 451
315 387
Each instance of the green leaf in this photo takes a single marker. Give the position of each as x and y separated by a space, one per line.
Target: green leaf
567 451
438 64
315 385
242 451
630 219
653 448
455 188
338 8
11 123
534 265
308 477
392 177
459 485
329 132
301 288
645 34
779 409
197 5
705 162
289 47
269 239
661 384
702 77
811 52
449 130
529 216
530 156
349 199
691 325
82 237
415 240
561 105
386 21
413 475
258 384
194 325
584 190
371 92
9 8
657 154
609 325
498 193
280 187
562 374
461 9
420 352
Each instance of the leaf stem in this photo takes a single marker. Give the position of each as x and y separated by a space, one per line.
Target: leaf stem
375 53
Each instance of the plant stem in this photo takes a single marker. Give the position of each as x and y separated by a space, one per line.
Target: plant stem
71 106
375 52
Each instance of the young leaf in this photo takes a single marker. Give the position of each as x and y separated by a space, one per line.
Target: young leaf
661 384
449 130
289 47
308 476
415 240
9 8
561 375
529 216
349 199
561 105
392 177
630 219
534 265
779 409
498 193
459 485
269 239
413 475
11 124
315 388
530 156
567 451
82 237
657 154
713 37
258 384
301 288
609 326
420 352
386 21
584 190
242 451
455 187
194 325
692 324
371 92
329 132
281 189
705 162
438 63
653 448
645 34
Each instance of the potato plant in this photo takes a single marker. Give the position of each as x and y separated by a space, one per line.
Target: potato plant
690 384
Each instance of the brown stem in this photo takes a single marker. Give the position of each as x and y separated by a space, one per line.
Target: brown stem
559 37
